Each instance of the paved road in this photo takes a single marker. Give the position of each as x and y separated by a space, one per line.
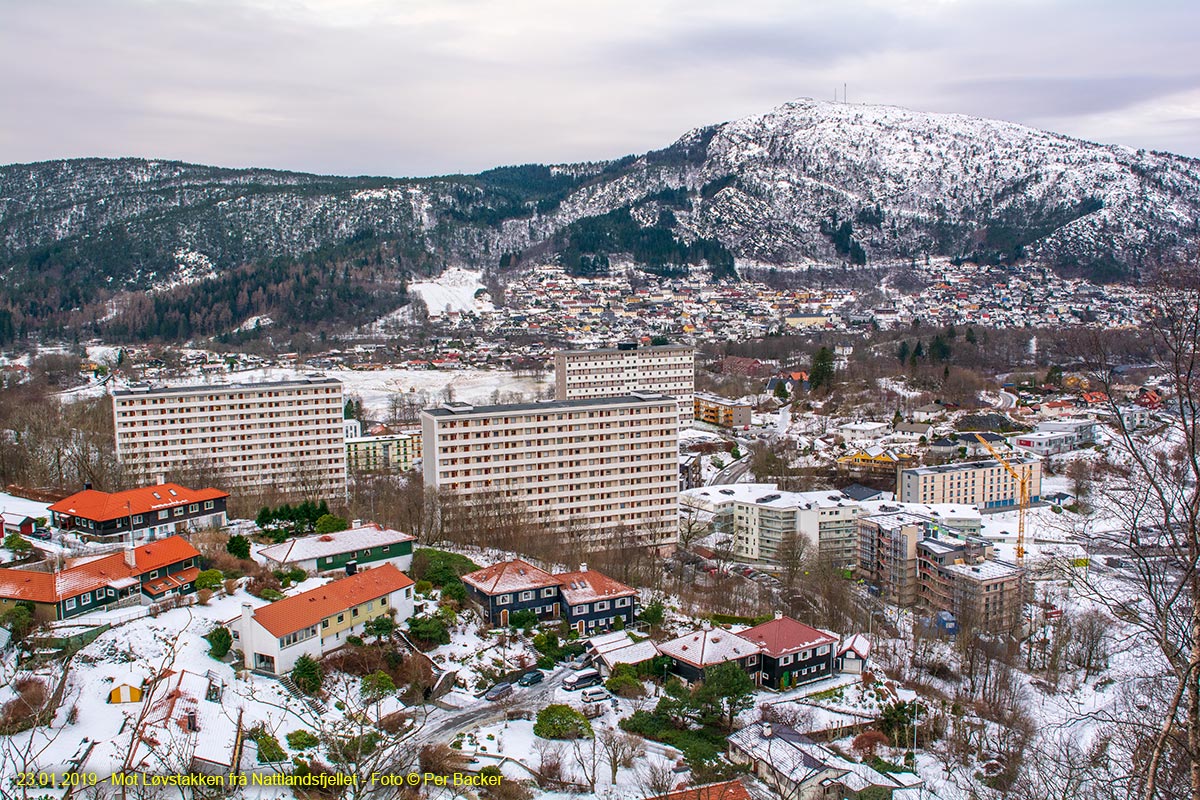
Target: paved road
731 474
443 725
1007 399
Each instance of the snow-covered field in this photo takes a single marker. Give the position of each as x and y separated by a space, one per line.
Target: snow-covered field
375 387
453 290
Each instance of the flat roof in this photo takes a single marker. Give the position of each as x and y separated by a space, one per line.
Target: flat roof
639 349
145 389
988 570
967 466
767 494
466 409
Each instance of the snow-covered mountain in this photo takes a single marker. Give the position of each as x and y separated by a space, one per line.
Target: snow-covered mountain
806 182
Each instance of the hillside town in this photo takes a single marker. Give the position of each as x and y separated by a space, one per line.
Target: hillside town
597 580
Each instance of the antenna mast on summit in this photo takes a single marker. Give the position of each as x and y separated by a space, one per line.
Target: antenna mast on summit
843 92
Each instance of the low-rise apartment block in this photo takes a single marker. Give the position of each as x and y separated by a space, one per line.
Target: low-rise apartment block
915 561
759 518
285 437
986 484
390 452
589 467
625 369
722 412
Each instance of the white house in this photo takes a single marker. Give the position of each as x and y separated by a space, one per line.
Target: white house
1044 443
363 544
1082 431
868 432
320 620
1134 417
928 413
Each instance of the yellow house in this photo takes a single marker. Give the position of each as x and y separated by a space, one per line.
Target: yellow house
125 693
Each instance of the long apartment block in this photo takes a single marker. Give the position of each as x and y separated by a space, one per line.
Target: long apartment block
593 466
986 484
286 436
620 371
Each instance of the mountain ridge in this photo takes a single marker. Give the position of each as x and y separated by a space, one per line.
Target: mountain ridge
808 182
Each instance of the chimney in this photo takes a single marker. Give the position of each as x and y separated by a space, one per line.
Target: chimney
351 567
87 486
160 479
247 610
130 557
191 722
583 566
778 615
767 731
356 523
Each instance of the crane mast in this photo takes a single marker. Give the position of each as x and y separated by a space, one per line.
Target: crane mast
1022 480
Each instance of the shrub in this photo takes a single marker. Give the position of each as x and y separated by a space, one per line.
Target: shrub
203 596
209 579
17 543
624 682
423 587
307 675
525 619
271 595
328 523
559 721
428 630
439 567
454 590
376 686
302 740
269 750
19 620
230 585
238 546
19 712
354 641
219 642
263 581
441 759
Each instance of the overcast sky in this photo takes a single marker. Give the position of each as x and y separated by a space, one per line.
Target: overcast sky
397 87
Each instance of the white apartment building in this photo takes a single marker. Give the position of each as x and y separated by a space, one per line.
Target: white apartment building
757 517
986 484
619 371
287 436
591 465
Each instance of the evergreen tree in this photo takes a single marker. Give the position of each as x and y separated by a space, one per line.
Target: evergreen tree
821 373
307 675
904 351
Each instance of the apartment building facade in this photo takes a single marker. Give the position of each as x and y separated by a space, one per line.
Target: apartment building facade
986 484
391 452
759 518
721 411
625 369
589 467
910 566
285 436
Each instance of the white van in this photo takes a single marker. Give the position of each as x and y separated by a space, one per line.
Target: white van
581 679
596 694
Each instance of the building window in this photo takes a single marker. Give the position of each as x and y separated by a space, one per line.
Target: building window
70 603
527 595
179 511
752 660
87 598
621 602
164 514
324 623
577 610
194 508
354 611
602 605
504 599
548 592
137 520
341 618
209 505
823 650
783 662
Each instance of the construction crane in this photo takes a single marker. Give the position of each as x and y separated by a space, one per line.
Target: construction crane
1022 480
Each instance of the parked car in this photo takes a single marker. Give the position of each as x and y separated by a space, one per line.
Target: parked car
581 679
530 678
579 662
595 694
499 691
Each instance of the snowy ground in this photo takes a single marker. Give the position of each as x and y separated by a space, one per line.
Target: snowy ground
453 290
375 387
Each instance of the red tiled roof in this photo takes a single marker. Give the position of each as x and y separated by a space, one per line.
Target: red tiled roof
89 573
778 637
509 576
103 506
308 608
729 790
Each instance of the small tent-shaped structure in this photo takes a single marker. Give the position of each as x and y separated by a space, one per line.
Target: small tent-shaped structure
125 693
